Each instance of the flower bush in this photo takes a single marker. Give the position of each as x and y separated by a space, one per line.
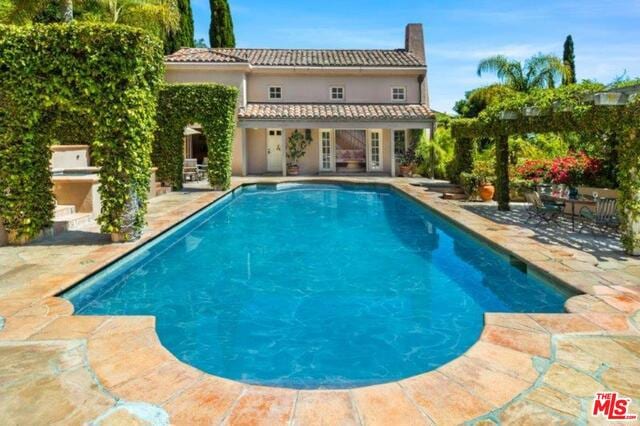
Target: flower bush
575 169
535 170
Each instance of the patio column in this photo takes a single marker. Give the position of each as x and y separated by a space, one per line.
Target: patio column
284 152
393 153
502 172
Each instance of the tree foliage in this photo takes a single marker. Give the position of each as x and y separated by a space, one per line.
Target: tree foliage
158 17
539 71
183 35
212 106
95 80
221 28
569 61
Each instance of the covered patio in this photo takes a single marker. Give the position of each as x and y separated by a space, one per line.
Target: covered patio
345 138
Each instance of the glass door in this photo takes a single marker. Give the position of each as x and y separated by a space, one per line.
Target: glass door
374 157
327 151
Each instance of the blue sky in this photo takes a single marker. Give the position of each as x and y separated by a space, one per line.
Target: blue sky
458 33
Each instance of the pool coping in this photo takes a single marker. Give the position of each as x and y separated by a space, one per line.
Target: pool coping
603 308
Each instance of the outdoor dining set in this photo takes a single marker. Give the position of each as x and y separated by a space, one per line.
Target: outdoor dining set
593 212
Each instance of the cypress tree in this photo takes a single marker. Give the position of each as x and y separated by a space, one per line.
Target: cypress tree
221 29
183 36
569 60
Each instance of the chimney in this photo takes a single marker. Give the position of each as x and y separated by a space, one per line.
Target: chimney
414 41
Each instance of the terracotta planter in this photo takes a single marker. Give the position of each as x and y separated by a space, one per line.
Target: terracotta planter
486 192
293 170
405 171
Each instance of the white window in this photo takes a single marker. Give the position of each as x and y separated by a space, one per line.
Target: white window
398 94
275 92
337 93
400 142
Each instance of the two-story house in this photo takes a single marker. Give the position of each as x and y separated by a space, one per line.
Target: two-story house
356 105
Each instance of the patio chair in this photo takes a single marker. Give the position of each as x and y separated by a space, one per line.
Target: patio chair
202 168
543 212
605 216
190 169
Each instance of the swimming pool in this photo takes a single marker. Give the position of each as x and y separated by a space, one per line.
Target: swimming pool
310 285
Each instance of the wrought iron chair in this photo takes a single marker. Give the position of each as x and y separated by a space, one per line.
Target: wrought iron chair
605 216
547 213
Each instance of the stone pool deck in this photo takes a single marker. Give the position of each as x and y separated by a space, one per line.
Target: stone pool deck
56 368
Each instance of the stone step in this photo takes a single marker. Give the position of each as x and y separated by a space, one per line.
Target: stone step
63 210
450 189
161 190
71 222
454 196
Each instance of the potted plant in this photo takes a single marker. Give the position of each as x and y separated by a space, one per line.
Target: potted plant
406 167
484 173
408 160
296 149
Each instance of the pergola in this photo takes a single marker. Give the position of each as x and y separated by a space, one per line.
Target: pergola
581 108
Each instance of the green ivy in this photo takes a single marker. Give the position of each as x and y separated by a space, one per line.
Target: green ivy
211 105
83 83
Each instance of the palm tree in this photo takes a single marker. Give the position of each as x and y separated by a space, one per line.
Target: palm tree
539 71
156 16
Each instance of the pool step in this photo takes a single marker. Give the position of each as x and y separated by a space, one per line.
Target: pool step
70 222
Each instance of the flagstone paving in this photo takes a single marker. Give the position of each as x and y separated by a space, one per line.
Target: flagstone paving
56 368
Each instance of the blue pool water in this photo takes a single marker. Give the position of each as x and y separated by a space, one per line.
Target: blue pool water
310 286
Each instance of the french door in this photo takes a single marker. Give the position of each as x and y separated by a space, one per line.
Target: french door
274 150
374 151
327 151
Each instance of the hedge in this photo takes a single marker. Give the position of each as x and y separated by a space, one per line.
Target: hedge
97 82
213 106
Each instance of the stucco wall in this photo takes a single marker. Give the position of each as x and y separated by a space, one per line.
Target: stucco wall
386 150
229 78
236 153
315 88
256 151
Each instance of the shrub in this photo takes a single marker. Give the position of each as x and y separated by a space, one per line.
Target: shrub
535 170
95 81
434 155
575 170
211 105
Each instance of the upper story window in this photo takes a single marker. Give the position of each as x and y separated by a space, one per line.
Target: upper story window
398 94
275 92
337 93
400 142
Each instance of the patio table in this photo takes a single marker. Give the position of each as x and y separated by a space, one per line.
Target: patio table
573 201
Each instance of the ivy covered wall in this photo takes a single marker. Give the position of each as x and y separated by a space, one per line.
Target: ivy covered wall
213 106
83 83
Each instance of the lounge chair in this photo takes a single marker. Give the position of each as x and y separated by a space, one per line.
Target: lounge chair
190 169
605 216
543 212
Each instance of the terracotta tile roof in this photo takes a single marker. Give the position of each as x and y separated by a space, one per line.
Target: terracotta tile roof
335 112
299 57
